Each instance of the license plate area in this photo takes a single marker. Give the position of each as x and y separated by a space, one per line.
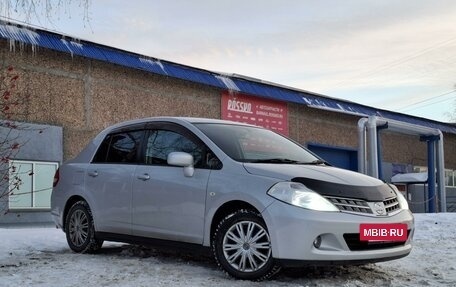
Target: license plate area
383 232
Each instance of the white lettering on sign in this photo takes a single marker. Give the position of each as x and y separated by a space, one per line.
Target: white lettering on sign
239 106
383 232
378 232
269 114
269 108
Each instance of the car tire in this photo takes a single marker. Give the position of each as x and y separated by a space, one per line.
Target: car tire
242 246
79 229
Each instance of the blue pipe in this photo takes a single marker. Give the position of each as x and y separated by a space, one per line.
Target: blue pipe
431 174
431 140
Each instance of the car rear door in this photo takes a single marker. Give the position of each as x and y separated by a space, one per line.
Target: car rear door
109 179
166 204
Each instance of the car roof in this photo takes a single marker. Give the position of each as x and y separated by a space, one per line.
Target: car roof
191 120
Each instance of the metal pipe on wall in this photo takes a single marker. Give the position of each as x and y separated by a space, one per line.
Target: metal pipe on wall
441 173
362 145
372 144
368 153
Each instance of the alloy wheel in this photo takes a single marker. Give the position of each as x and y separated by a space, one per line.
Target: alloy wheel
78 228
247 246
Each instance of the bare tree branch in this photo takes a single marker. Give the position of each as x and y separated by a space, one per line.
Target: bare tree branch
12 102
43 10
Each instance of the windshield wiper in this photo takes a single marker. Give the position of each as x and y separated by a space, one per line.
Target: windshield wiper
316 162
287 161
275 160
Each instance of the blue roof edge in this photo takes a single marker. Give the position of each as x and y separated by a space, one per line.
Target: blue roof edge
238 83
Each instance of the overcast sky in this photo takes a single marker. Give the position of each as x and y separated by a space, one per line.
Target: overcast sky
395 55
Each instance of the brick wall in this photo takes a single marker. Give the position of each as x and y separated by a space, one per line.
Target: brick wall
84 96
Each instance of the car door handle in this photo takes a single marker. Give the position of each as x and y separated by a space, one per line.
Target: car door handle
93 173
144 177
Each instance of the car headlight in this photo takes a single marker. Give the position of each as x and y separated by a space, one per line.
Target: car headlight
298 194
402 200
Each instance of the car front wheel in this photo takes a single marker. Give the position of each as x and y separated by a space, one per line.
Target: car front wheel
242 246
79 229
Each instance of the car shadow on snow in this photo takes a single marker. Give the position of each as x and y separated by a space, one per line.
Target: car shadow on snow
369 274
162 254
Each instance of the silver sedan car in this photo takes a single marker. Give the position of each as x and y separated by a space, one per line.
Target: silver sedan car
258 200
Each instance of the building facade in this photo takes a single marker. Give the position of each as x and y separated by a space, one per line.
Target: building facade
80 88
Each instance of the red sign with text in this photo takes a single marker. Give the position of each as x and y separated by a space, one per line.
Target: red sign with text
383 232
265 113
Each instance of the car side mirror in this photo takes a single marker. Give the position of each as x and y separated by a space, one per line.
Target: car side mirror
182 159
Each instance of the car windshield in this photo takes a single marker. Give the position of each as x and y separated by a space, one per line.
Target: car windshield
252 144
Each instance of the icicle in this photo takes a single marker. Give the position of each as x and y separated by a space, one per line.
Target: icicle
12 45
21 35
68 46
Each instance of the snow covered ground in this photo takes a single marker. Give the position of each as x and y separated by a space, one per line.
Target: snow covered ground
41 257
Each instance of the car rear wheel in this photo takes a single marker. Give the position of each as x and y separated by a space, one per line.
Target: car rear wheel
79 229
242 246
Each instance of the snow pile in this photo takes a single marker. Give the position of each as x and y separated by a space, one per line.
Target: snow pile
152 62
229 83
41 257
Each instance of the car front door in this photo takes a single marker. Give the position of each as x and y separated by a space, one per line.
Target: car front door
166 204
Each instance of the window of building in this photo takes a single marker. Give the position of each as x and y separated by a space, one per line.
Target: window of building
449 177
31 184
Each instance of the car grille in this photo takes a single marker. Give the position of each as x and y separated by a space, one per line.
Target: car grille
350 204
354 244
353 205
391 204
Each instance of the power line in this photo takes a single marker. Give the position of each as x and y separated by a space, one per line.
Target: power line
407 107
399 61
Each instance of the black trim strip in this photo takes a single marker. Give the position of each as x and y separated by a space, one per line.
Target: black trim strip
306 263
153 242
367 193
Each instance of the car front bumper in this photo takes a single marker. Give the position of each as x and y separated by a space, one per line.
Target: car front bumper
293 231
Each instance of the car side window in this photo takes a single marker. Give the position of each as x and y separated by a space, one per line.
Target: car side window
160 143
119 148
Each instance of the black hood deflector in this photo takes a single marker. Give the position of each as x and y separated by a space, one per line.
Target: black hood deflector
367 193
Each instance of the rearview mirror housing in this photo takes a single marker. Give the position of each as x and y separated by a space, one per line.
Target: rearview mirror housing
182 159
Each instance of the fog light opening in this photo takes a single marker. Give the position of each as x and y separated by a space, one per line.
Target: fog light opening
317 242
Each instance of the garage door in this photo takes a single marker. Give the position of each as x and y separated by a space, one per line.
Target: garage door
346 158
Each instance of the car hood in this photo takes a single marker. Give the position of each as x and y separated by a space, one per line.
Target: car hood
320 172
326 180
